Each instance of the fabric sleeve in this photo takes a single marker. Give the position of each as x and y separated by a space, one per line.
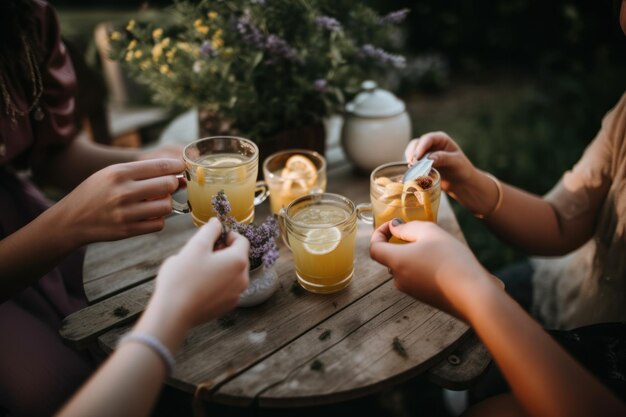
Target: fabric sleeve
57 128
571 196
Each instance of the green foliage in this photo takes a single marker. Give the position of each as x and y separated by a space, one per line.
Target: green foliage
265 66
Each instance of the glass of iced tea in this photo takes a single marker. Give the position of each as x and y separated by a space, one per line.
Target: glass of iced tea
320 230
390 198
293 173
221 163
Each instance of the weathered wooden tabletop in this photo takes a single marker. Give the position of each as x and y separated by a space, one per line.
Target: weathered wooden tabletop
297 348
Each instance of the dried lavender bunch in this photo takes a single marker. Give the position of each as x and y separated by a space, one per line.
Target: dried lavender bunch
262 238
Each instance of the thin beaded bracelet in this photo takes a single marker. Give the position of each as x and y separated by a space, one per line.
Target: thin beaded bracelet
153 343
498 203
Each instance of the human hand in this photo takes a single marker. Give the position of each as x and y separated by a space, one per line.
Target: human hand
454 167
201 282
173 151
433 267
120 201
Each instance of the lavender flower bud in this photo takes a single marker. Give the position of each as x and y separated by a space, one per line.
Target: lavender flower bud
329 23
395 17
384 57
320 85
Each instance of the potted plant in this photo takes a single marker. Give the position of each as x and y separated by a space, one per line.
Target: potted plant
260 68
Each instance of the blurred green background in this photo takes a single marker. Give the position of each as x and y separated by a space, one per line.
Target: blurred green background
522 85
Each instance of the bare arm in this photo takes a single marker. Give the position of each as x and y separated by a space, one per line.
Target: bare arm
194 286
117 202
524 220
441 271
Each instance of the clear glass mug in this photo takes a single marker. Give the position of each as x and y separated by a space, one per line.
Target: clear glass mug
389 200
221 163
285 184
320 231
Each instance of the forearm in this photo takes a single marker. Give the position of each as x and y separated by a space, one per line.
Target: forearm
129 382
523 220
543 377
30 252
69 167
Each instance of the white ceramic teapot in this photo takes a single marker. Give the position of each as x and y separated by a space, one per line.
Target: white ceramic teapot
376 128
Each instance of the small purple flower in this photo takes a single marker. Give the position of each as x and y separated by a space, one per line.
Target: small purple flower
395 17
220 203
206 49
329 23
262 238
279 47
320 85
379 54
249 32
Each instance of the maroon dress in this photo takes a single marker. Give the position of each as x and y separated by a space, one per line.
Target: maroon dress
37 371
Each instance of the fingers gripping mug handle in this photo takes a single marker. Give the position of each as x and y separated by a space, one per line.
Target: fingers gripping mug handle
261 192
178 207
364 212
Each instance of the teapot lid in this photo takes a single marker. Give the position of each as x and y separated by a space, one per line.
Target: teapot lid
375 102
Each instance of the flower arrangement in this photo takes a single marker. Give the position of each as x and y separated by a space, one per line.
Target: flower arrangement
263 65
262 238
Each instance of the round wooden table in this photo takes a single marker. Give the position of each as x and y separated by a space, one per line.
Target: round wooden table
297 348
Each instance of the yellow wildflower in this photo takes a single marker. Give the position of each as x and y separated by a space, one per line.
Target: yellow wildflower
131 25
170 55
203 29
218 34
165 42
165 69
157 51
129 56
145 64
212 15
217 43
115 36
157 33
197 23
138 53
184 46
132 44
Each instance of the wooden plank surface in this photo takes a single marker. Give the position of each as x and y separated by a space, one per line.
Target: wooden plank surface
266 353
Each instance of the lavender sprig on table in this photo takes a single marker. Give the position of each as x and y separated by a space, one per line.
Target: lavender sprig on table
262 238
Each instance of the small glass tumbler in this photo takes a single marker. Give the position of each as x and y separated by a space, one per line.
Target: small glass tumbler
285 184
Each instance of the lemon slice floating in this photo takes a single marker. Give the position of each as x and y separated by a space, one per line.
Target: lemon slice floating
299 171
322 241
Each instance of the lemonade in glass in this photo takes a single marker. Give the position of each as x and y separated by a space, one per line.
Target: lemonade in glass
390 198
221 163
320 230
293 173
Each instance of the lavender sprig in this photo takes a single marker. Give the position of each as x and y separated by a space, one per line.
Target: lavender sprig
384 57
329 23
395 17
262 238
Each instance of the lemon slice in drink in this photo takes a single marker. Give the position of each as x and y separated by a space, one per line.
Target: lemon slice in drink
301 167
322 241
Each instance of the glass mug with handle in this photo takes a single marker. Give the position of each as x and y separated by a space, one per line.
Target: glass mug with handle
221 163
293 173
390 198
320 231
